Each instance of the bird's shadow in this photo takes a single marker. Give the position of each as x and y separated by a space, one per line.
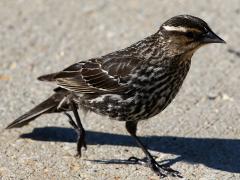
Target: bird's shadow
221 154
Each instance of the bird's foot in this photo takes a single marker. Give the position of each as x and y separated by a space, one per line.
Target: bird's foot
81 136
80 142
162 170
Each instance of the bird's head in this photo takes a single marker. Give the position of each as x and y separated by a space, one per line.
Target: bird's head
186 33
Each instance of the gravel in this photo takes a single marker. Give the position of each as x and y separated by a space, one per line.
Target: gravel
198 133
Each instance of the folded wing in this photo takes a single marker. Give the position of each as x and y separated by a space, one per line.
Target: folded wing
101 75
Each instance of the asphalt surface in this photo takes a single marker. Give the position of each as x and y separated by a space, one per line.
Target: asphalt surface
198 133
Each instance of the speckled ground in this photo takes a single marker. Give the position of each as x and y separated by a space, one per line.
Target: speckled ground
198 133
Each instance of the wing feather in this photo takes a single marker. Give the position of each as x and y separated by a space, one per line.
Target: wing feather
102 75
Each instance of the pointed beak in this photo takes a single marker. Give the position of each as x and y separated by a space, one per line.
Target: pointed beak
211 37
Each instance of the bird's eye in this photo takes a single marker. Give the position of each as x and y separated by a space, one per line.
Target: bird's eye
190 34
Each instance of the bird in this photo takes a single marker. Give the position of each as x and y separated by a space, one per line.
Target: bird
130 85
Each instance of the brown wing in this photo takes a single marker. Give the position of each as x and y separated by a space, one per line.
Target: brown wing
96 75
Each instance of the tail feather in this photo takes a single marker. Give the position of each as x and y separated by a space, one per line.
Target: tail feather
48 106
47 77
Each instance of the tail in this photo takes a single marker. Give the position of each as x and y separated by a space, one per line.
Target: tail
48 77
48 106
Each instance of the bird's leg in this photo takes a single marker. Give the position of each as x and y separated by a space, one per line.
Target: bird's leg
78 127
160 170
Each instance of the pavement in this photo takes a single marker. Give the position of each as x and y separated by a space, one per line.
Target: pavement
198 134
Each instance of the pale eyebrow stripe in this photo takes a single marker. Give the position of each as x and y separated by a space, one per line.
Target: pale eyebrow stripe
180 29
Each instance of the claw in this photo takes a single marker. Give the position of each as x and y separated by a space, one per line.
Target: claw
162 170
81 136
170 171
81 142
77 155
136 160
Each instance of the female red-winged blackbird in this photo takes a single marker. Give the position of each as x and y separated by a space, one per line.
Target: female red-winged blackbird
132 84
